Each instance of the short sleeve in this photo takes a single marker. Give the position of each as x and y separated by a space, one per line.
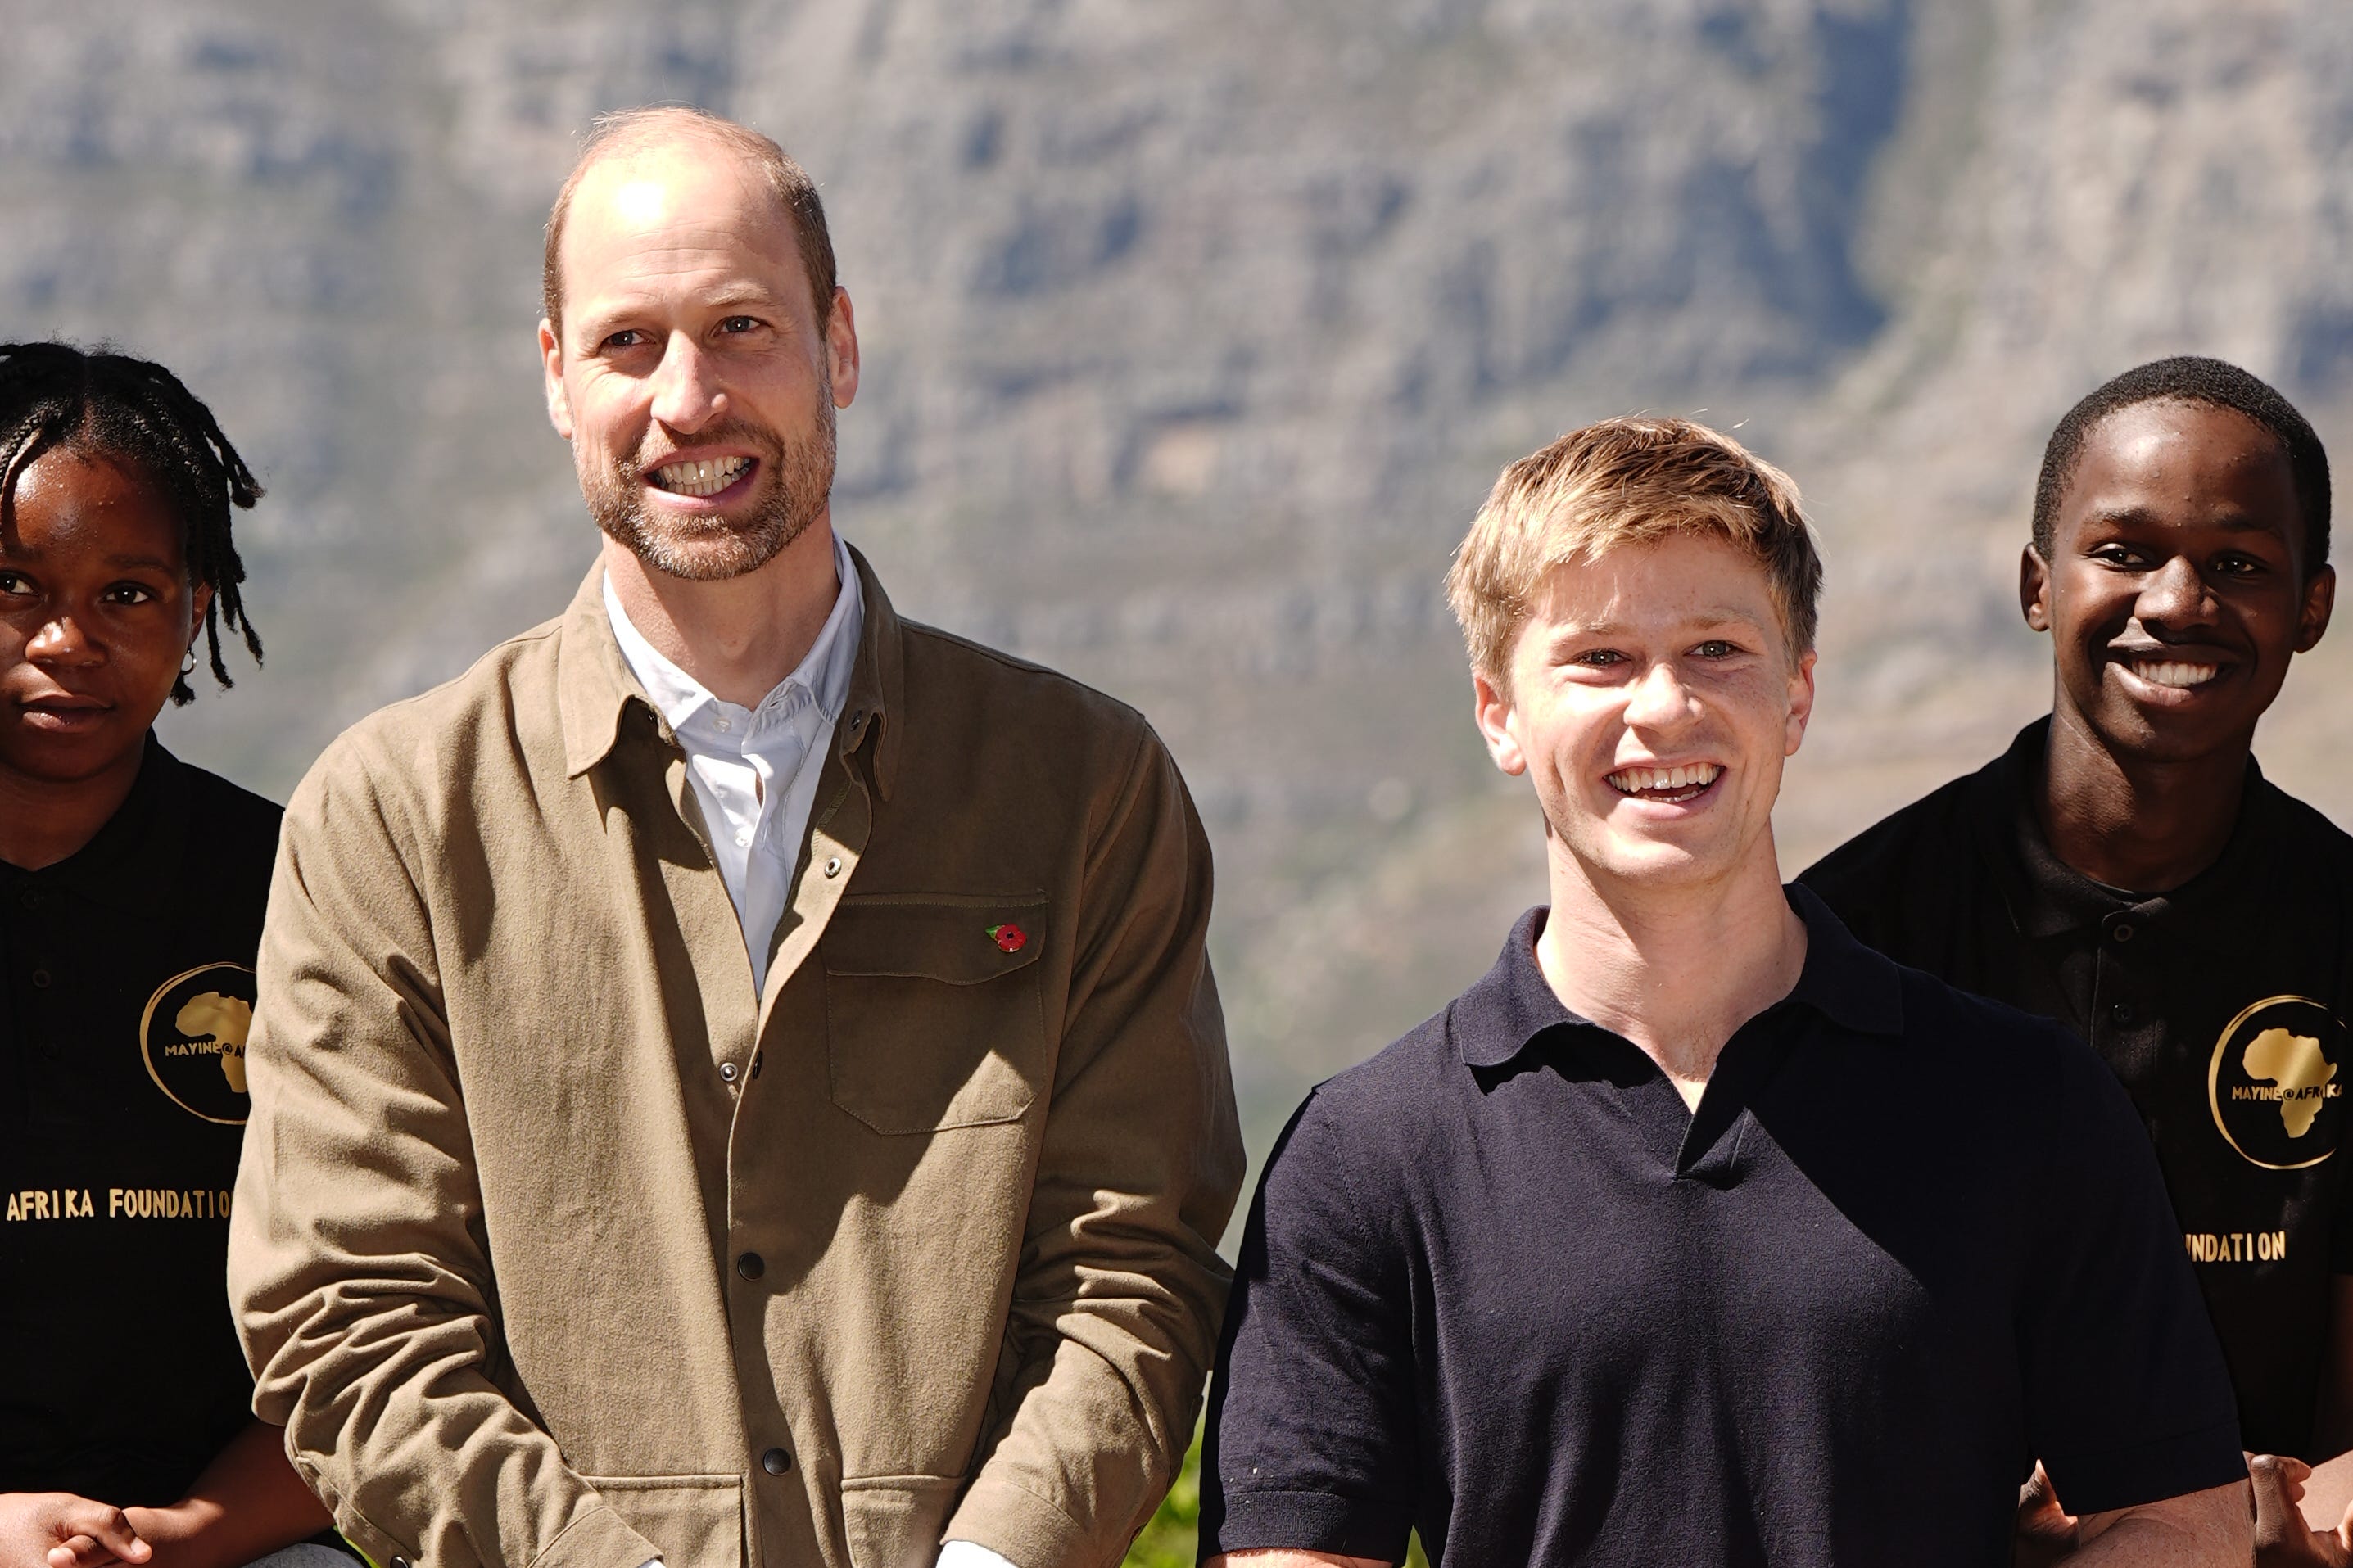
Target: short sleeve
1311 1442
2128 1399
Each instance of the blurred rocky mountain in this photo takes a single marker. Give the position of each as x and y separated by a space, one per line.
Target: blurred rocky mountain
1196 333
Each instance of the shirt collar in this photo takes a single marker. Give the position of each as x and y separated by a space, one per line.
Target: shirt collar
2046 897
136 849
1512 1005
595 687
1854 986
824 670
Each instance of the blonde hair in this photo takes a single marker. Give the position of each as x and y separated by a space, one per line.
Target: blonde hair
629 129
1623 482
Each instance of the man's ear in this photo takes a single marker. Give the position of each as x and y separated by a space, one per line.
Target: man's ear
2320 599
842 349
1493 711
1801 701
551 359
2034 588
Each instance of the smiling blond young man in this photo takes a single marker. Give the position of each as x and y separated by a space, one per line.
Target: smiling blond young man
737 1077
1696 1232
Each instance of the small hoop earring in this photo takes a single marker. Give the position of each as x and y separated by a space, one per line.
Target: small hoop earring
188 666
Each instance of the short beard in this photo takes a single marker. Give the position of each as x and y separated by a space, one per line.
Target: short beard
794 484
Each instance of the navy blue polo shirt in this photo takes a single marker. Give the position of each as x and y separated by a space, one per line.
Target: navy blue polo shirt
1500 1284
2219 1005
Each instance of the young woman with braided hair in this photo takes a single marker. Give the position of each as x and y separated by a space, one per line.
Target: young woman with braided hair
131 888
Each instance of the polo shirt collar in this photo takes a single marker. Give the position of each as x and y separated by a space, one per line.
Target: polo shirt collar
1854 986
137 848
1512 1005
2045 897
596 688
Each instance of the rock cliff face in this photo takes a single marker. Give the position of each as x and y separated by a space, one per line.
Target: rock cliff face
1195 334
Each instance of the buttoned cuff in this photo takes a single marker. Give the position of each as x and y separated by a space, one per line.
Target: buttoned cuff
1016 1524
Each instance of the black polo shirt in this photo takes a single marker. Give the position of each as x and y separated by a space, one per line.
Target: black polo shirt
2219 1005
128 970
1499 1284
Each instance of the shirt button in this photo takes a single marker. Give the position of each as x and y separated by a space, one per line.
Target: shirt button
30 897
2120 1013
833 866
726 723
775 1461
41 979
743 839
2121 931
727 1071
750 1266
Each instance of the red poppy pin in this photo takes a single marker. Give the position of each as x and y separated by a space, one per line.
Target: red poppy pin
1008 937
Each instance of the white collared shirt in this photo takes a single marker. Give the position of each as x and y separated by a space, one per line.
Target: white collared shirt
755 769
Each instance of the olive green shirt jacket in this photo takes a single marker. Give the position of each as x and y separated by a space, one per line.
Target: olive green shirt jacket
554 1245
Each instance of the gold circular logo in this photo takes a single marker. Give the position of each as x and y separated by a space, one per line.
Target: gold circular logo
2275 1083
192 1037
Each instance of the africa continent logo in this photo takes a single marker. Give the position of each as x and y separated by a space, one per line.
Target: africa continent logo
193 1039
222 1022
2303 1077
2275 1085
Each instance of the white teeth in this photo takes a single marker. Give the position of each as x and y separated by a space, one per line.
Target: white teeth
704 477
1682 783
2171 672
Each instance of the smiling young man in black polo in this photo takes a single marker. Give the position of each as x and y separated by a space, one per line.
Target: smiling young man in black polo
1697 1233
2125 868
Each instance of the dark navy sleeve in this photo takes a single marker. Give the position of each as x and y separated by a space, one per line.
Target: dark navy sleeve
2128 1399
1310 1440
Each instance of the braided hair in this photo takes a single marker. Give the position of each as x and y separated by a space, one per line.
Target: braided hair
106 404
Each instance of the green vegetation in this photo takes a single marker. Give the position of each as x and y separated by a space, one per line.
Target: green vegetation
1168 1541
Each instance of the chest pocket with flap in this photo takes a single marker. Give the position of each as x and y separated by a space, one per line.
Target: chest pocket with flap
931 1022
